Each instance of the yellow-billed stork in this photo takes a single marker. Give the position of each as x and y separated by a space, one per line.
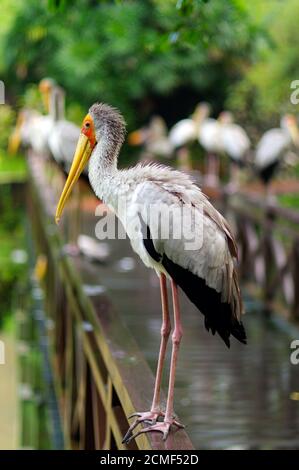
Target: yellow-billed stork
206 273
154 139
63 135
184 132
273 147
235 144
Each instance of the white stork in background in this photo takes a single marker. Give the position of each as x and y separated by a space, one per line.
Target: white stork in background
235 144
63 136
22 133
184 132
154 139
206 273
273 147
32 128
209 138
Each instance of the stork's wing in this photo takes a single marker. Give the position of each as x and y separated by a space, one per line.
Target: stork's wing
209 135
40 129
271 147
182 227
62 141
72 133
204 267
235 141
182 133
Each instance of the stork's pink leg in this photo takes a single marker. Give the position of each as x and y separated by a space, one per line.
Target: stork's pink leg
155 411
233 183
212 170
165 332
169 419
176 340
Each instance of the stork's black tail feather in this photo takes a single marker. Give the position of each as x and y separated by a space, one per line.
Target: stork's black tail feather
218 315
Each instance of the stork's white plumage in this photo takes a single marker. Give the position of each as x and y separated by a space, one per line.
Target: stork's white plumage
274 145
234 139
205 273
62 142
63 136
271 147
32 130
40 130
209 136
184 132
235 144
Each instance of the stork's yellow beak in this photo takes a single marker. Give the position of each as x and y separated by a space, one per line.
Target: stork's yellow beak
294 131
46 100
45 88
82 155
14 141
15 138
135 138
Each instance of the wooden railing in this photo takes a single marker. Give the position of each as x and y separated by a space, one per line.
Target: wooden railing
100 375
268 239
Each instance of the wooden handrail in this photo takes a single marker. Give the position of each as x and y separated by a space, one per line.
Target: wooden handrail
289 215
269 256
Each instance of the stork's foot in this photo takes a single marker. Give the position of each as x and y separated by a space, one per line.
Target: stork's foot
148 417
161 426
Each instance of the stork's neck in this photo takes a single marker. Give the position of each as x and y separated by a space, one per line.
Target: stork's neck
57 104
103 170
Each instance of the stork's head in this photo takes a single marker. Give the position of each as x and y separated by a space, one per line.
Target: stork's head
157 128
226 117
46 86
102 125
17 135
14 141
201 112
108 123
289 122
138 137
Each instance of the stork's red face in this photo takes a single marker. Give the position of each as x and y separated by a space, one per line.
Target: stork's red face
292 125
88 130
45 87
85 146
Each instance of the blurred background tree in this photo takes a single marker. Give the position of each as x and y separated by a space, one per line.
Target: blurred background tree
150 56
155 56
263 94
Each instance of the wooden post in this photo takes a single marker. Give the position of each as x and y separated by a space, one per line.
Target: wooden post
268 257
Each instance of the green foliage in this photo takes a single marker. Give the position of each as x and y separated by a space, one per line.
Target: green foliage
289 200
264 93
31 98
12 168
11 238
131 53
